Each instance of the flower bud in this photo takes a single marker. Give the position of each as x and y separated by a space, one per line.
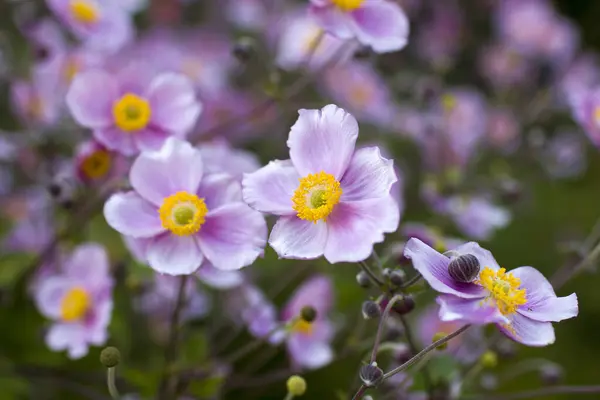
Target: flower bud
438 336
489 359
464 268
363 280
296 385
397 277
371 375
110 357
371 310
405 305
244 49
308 314
551 374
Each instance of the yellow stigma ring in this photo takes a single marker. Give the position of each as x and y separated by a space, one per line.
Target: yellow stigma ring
316 196
97 164
74 304
504 289
348 5
183 213
131 112
84 11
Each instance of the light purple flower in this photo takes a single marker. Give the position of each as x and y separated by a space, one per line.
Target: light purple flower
504 67
309 343
586 111
429 235
332 200
78 300
503 130
476 216
36 101
521 302
31 214
219 156
131 112
380 24
183 216
248 305
101 24
94 163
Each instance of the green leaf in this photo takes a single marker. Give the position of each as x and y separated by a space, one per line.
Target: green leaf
207 388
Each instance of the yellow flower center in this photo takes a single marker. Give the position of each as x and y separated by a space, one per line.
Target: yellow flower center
448 102
97 164
183 213
84 11
301 326
504 289
316 196
74 304
348 5
131 112
361 95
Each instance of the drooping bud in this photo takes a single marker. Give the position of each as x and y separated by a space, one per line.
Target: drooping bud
363 280
489 359
110 357
371 375
371 310
296 385
405 305
464 268
243 49
308 314
438 336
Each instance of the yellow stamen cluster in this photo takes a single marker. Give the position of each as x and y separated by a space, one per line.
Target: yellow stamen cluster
361 94
302 326
70 69
75 304
97 164
504 289
316 196
183 213
131 112
597 115
449 102
84 11
348 5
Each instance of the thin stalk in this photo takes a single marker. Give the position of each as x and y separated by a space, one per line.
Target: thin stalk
112 386
381 326
412 281
363 265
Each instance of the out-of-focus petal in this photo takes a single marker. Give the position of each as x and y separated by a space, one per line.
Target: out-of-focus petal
174 255
90 98
131 215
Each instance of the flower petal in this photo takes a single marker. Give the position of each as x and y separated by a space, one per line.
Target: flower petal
292 237
354 228
270 189
89 262
333 20
368 176
316 292
219 279
470 311
485 257
90 98
233 236
434 268
50 294
219 189
131 215
71 337
150 139
176 167
311 354
115 139
382 25
173 102
542 303
323 140
528 331
174 255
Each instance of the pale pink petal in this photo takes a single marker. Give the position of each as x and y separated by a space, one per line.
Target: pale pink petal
316 292
90 98
355 227
368 176
50 294
174 255
323 140
233 236
177 167
115 139
469 311
382 25
333 20
528 331
173 102
309 354
131 215
71 337
293 237
150 139
271 188
88 262
219 189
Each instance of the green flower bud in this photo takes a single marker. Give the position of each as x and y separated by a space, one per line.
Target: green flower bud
438 336
296 385
489 359
110 357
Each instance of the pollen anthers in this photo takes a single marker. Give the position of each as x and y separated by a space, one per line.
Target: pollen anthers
75 304
348 5
183 213
84 11
503 288
131 112
97 164
316 196
302 326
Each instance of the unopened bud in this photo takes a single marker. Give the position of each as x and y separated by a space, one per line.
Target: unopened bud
363 279
397 277
404 305
110 357
244 49
296 385
371 310
308 313
489 359
371 375
438 336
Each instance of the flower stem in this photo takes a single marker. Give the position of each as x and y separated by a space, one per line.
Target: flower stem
412 281
559 278
539 393
112 386
380 328
359 393
365 267
413 348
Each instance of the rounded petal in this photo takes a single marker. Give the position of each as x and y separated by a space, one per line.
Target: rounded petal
368 176
69 337
271 188
355 227
542 303
137 247
218 278
173 103
220 189
528 331
176 167
150 139
115 139
233 236
434 268
292 237
323 140
309 354
89 262
382 25
50 294
485 257
333 20
469 311
90 98
131 215
174 255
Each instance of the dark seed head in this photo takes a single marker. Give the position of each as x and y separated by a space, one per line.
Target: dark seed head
464 268
397 277
363 280
371 375
404 305
308 314
371 310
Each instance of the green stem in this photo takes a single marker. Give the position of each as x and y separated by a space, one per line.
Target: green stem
365 267
112 386
380 328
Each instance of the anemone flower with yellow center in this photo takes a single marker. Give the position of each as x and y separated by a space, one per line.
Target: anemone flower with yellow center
84 11
521 302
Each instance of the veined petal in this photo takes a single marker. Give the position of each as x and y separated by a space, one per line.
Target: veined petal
292 237
485 257
271 188
469 311
174 255
528 331
368 176
131 215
